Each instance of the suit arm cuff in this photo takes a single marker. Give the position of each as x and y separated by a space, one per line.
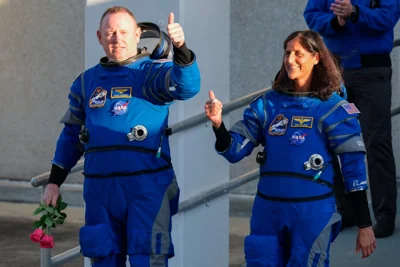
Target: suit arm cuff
355 18
182 55
224 138
335 25
57 175
359 203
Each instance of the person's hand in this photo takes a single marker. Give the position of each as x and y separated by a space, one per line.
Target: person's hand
366 241
213 109
342 9
342 21
51 194
175 32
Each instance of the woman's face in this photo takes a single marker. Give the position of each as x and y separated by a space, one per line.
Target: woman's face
298 62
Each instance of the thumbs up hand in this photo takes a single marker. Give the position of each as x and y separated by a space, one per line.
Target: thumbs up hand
213 110
175 31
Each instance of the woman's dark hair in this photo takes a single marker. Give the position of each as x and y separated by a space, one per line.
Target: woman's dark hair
327 74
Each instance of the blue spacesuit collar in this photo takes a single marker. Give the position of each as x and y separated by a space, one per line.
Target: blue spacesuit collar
287 91
109 64
300 94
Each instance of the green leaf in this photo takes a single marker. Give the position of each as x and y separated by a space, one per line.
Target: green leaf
59 200
37 224
50 210
58 214
38 210
62 206
48 221
64 215
59 221
43 218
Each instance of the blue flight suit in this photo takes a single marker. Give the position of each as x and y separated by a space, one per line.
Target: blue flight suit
294 217
130 189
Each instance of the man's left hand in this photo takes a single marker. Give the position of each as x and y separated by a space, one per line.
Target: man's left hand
342 8
175 32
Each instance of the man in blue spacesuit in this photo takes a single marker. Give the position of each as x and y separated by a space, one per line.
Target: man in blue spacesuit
360 33
119 111
302 124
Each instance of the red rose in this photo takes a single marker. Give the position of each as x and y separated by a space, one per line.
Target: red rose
37 235
47 242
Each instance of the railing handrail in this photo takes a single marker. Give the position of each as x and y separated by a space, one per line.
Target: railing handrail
396 43
228 107
66 256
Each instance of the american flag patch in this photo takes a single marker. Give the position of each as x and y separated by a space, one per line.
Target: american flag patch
350 108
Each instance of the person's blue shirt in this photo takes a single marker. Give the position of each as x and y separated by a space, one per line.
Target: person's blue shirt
371 34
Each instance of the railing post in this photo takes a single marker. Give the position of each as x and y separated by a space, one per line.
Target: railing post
45 253
45 257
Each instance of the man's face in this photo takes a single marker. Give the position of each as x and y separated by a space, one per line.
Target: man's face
119 36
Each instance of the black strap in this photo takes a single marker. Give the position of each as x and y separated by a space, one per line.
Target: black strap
124 147
141 172
295 199
296 175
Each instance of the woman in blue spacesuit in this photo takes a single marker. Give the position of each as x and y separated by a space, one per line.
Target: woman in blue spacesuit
303 124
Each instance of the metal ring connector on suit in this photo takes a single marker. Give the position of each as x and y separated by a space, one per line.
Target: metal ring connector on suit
315 162
138 133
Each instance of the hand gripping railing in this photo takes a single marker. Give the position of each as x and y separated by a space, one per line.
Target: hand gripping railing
201 198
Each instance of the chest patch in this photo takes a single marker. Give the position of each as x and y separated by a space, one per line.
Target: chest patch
350 108
98 98
121 92
278 125
301 122
120 108
298 138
